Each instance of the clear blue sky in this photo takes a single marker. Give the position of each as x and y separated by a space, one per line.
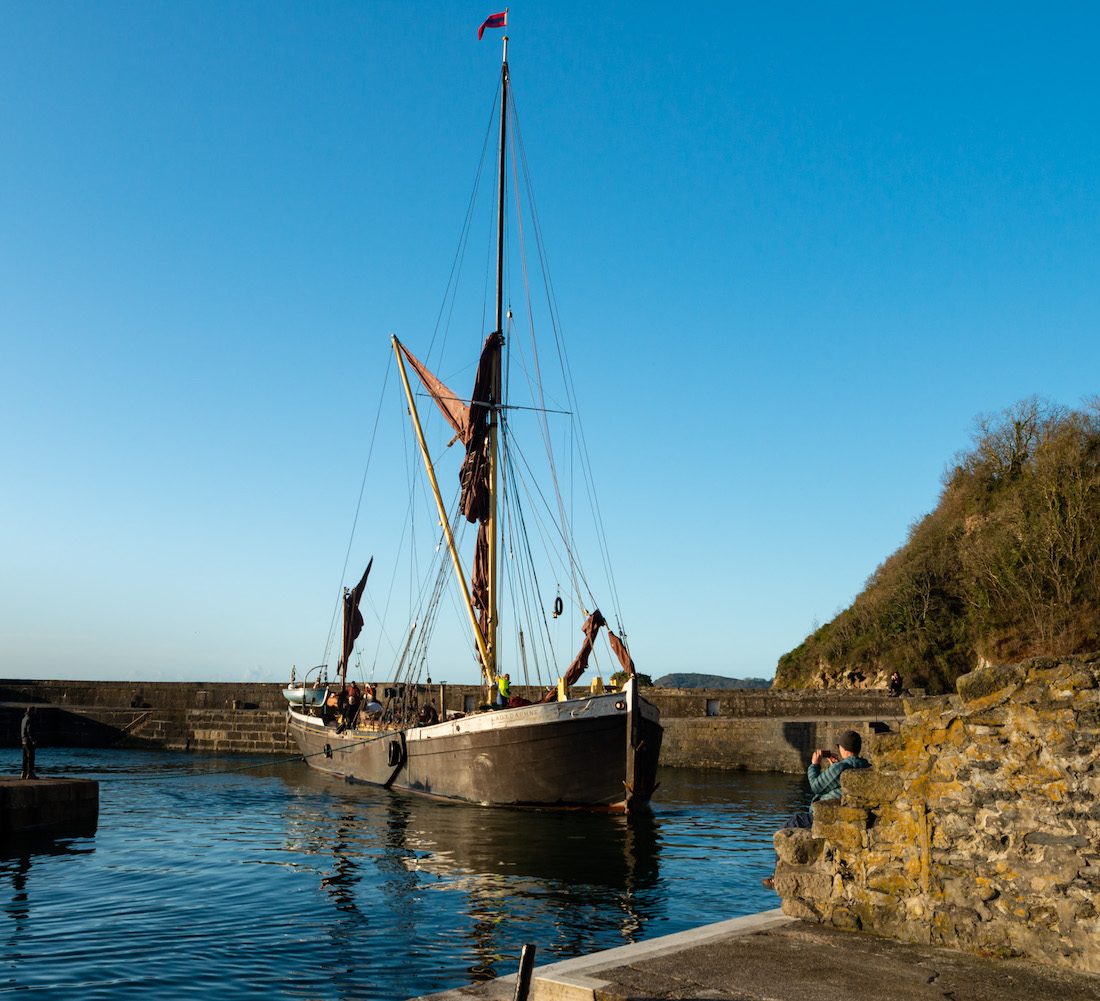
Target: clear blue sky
800 247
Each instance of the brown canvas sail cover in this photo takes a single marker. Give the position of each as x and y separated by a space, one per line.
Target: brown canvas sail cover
353 618
618 647
474 475
580 663
479 579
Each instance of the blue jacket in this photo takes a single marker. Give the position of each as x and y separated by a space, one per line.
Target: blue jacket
825 784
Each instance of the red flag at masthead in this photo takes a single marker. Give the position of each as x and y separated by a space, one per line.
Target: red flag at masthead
493 21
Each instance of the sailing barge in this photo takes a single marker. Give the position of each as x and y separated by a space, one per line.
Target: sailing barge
598 752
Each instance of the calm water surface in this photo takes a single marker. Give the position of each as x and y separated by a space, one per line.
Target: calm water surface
277 882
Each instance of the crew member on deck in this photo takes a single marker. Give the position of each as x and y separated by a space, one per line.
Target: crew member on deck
355 696
428 715
504 689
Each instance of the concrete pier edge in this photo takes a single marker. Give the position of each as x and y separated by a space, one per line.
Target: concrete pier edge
774 957
575 979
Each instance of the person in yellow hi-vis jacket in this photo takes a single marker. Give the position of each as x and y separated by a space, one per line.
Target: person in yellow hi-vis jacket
504 689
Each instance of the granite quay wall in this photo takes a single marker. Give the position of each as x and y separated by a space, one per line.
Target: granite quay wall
754 730
977 828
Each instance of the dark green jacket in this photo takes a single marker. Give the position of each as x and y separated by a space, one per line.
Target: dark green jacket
825 783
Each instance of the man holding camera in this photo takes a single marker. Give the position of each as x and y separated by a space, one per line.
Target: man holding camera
824 773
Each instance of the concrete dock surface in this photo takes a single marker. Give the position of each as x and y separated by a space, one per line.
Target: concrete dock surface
770 957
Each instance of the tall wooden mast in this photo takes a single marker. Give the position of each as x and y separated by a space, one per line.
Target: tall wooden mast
495 400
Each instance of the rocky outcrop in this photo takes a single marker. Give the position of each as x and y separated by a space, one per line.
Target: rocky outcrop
977 828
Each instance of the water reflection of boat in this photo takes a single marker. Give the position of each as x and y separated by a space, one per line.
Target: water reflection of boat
503 869
454 841
571 850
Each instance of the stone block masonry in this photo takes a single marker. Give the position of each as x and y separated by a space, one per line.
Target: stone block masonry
977 828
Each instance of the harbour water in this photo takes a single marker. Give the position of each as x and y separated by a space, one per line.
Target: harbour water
234 878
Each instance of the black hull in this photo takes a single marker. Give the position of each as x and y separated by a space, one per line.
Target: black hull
563 755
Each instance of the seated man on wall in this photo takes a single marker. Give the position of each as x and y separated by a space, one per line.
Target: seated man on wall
825 781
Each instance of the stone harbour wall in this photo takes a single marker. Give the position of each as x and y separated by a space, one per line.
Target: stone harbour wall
728 729
757 744
977 826
229 731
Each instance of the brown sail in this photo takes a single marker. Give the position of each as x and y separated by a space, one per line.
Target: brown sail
474 475
353 618
454 410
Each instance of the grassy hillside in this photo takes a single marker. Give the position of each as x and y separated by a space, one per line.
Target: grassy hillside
1007 566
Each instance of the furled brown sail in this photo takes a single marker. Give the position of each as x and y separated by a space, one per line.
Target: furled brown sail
591 629
353 618
474 475
618 647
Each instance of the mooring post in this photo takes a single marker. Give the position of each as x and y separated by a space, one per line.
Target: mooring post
523 978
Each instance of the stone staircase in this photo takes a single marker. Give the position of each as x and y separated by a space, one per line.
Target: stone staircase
232 731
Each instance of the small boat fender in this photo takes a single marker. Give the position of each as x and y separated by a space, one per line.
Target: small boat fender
396 754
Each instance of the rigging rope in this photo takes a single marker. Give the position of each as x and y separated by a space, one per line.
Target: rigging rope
358 509
551 297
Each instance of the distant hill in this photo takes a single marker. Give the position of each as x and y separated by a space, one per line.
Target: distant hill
1006 567
709 681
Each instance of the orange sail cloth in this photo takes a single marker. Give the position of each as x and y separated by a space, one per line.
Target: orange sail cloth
456 412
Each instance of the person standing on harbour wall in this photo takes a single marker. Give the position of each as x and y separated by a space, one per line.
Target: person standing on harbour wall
26 736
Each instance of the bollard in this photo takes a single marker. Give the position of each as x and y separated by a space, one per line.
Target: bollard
523 978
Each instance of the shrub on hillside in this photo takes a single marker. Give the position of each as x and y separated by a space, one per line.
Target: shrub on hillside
1007 566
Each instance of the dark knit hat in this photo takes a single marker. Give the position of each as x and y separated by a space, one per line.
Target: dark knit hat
851 741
